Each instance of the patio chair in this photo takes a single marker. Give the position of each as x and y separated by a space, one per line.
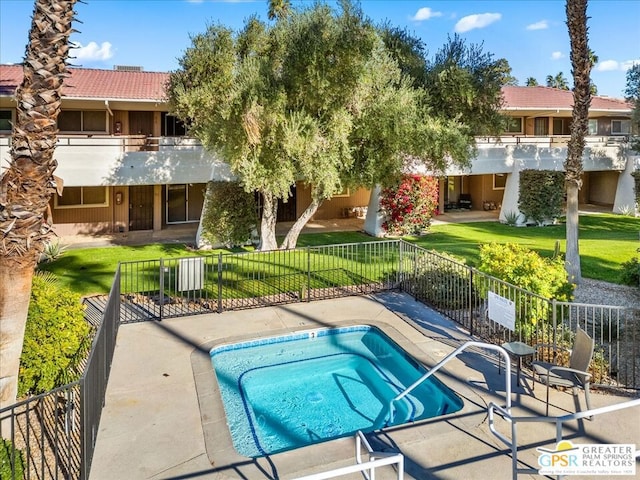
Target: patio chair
464 201
575 375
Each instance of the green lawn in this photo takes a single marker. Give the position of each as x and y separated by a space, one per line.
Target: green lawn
606 241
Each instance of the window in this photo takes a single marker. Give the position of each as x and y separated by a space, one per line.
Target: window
561 126
541 126
172 126
184 202
620 127
514 125
344 193
74 197
593 126
82 121
499 181
5 120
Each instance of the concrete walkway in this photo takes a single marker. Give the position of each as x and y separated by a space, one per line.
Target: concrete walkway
163 417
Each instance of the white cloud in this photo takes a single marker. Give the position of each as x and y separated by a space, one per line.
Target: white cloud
615 66
629 63
608 65
92 51
557 55
425 13
541 25
479 20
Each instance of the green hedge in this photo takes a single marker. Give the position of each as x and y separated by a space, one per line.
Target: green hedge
229 216
541 195
56 336
11 461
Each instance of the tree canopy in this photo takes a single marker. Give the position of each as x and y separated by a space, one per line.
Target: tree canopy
632 95
318 97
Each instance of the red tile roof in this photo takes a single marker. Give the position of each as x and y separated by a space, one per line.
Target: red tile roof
537 98
93 83
117 84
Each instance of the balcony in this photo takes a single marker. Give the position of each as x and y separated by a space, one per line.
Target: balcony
93 160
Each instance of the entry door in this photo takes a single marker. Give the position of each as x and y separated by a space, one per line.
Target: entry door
141 207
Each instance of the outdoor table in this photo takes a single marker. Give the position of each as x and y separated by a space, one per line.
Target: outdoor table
517 350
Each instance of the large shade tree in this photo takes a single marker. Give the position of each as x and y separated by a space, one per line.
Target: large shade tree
632 95
581 63
27 184
315 97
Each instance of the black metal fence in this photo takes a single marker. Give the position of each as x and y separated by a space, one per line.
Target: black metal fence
176 287
55 433
52 435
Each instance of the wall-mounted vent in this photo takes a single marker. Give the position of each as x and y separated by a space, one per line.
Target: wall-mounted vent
127 68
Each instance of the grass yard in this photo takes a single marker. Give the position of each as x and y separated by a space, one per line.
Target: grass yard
606 241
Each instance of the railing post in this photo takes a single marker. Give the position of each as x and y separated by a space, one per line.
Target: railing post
471 322
308 274
554 322
161 293
219 282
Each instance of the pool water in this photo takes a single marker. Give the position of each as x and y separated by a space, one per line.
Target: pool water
286 392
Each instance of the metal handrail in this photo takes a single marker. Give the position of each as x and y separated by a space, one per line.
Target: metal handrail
559 421
376 459
445 360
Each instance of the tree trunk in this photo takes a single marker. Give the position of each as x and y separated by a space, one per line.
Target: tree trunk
268 223
291 239
15 293
572 257
28 183
576 11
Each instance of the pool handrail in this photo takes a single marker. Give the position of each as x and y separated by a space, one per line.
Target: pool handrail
444 361
559 421
376 459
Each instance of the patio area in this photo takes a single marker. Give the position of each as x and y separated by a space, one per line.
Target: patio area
159 422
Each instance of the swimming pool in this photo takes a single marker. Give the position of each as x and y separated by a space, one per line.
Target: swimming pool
285 392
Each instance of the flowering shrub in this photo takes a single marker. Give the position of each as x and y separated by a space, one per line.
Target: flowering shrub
409 206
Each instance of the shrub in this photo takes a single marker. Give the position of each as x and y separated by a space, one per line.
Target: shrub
526 269
541 194
56 335
410 205
631 272
11 461
443 282
229 216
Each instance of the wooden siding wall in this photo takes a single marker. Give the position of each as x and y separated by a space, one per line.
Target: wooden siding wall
94 220
337 207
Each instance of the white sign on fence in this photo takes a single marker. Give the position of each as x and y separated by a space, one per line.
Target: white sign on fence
502 311
191 274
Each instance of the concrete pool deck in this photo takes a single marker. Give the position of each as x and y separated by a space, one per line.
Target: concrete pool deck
153 425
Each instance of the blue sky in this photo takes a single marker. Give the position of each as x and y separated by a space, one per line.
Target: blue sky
531 35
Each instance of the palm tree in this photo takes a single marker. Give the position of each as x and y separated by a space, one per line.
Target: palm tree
531 82
559 81
581 62
28 183
279 9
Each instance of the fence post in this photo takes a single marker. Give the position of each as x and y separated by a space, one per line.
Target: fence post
554 322
220 282
161 293
308 274
400 279
471 322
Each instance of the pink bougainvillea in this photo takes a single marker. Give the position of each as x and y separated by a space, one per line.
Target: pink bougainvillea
410 205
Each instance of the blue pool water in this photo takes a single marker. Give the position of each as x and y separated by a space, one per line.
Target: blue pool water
286 392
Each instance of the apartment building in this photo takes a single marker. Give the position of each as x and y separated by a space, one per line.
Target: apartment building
128 165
